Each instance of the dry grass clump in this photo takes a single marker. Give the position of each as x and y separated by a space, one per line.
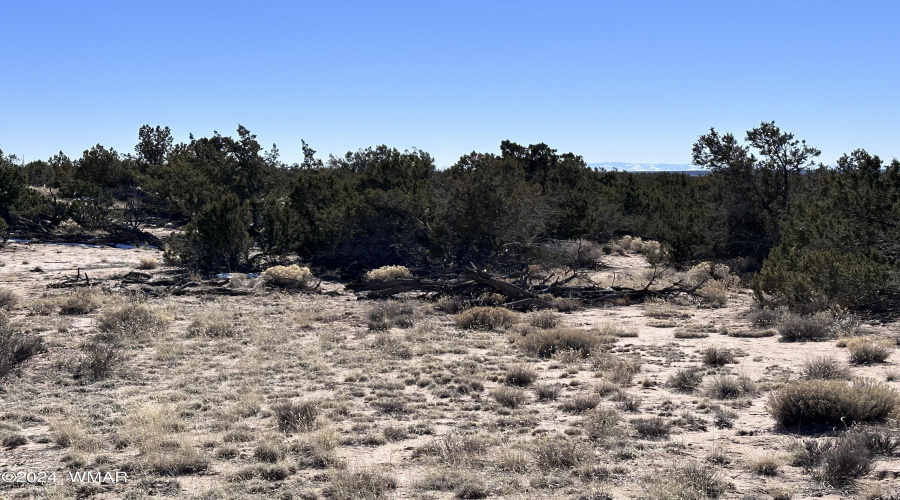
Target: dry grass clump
832 402
316 450
717 356
765 464
825 368
148 263
165 449
545 343
652 427
133 320
764 318
388 273
80 302
486 318
714 294
359 485
547 392
9 299
292 276
752 334
580 403
561 452
730 387
453 448
520 375
545 320
837 461
620 369
213 324
797 328
392 346
661 310
11 440
869 350
637 245
510 397
291 416
601 423
617 330
101 354
692 481
565 304
387 314
16 347
686 379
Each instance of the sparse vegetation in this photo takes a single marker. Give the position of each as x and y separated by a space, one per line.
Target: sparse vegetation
825 368
867 351
832 402
798 328
544 343
16 347
486 318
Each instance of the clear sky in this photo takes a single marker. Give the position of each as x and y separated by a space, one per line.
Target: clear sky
633 81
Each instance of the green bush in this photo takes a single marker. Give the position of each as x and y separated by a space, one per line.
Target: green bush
216 238
832 402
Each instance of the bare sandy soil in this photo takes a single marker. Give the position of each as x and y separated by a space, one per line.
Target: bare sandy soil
199 402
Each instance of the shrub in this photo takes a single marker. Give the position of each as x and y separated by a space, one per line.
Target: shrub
216 238
79 302
520 375
686 379
545 320
292 416
565 304
601 422
764 318
714 294
15 347
651 427
730 387
825 368
561 452
832 402
148 263
388 273
545 343
621 369
214 324
510 397
386 314
8 299
359 485
133 320
717 356
547 391
796 328
843 461
102 353
867 350
765 465
292 276
580 403
486 318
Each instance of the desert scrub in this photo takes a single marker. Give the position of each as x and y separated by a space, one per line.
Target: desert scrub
510 397
148 263
825 368
661 310
132 321
545 320
729 387
486 318
80 302
601 423
545 343
580 403
869 350
686 379
213 324
651 427
798 328
692 481
453 449
8 299
717 356
16 347
520 375
387 273
713 294
292 276
100 355
291 416
832 402
387 314
561 452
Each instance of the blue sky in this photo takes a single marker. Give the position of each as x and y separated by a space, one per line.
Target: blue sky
631 81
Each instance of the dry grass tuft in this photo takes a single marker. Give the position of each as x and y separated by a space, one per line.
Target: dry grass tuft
510 397
796 328
686 379
545 343
80 302
730 387
216 324
832 402
131 321
825 368
520 375
291 416
9 299
486 318
388 273
359 485
560 452
148 263
717 356
16 347
545 320
869 350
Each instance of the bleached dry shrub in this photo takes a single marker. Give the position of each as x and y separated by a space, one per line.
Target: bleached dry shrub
730 387
545 343
16 347
148 263
832 402
576 254
8 298
714 294
387 273
545 320
486 318
825 368
292 276
133 320
869 350
638 245
214 324
80 302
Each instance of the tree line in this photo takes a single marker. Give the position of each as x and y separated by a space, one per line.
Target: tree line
821 237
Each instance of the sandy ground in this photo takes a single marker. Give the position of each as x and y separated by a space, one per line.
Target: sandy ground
410 406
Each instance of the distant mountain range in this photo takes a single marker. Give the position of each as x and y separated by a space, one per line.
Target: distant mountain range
649 167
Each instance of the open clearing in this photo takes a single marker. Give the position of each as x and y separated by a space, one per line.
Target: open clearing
322 395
